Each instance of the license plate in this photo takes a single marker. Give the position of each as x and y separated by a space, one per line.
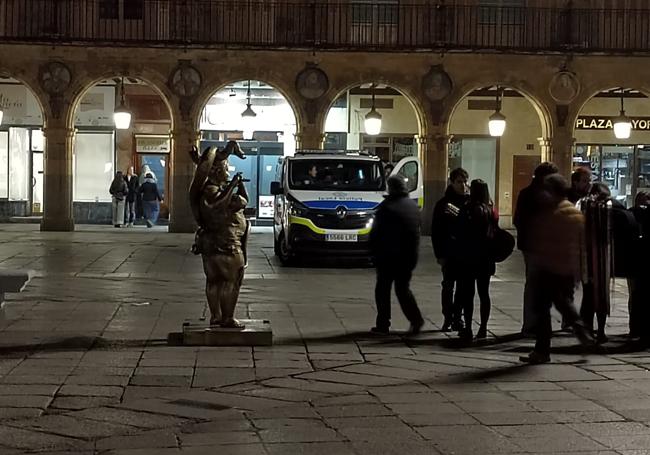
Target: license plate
340 237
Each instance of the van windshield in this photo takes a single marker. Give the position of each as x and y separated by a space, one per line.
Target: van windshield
333 174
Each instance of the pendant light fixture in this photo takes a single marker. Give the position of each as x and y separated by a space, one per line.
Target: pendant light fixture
122 116
372 123
497 123
622 123
248 116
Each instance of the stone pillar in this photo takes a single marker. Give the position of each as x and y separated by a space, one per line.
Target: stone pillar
182 171
310 138
434 158
562 145
58 179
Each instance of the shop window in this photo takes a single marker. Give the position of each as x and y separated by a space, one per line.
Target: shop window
134 9
18 164
93 166
4 164
501 12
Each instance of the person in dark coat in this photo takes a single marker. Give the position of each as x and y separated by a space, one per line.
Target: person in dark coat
132 183
638 275
444 237
394 242
118 190
580 184
557 258
151 199
478 222
524 219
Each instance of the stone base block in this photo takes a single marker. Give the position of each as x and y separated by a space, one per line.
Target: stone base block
256 332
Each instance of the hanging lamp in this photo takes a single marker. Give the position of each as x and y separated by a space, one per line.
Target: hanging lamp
622 123
497 122
121 115
372 123
248 116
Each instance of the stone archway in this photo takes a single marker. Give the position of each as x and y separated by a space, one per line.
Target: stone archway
505 163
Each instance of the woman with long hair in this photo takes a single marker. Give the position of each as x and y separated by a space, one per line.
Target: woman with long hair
478 222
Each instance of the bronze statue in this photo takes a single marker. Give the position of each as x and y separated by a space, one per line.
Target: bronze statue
218 206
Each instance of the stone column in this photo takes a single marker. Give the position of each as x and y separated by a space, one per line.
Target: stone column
182 171
434 158
562 145
58 179
310 138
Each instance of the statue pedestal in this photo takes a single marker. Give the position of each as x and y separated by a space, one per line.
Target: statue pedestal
196 332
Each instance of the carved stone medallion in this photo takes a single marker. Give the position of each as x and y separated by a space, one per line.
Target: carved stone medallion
185 81
564 87
436 84
312 82
55 77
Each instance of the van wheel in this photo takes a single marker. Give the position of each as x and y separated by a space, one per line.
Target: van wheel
283 252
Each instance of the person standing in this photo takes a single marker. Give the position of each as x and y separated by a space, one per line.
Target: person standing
118 190
478 223
394 242
580 184
150 200
444 237
639 269
524 219
132 183
557 252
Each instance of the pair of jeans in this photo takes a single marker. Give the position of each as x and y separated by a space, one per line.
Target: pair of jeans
151 210
466 288
451 309
130 212
117 206
386 275
555 290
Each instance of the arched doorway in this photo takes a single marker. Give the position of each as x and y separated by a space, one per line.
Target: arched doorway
619 159
21 151
346 127
260 118
505 162
102 146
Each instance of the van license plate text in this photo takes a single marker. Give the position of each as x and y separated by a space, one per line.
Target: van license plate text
340 237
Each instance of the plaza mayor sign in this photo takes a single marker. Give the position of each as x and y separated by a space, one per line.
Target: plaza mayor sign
592 122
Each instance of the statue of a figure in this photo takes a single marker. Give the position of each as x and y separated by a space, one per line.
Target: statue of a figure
218 206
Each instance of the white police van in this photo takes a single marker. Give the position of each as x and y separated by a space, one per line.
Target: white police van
325 201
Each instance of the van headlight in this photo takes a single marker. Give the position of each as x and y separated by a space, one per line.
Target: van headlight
370 221
298 209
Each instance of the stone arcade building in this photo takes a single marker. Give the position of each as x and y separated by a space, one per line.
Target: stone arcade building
435 53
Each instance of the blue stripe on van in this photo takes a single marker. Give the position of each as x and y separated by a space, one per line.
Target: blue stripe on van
350 205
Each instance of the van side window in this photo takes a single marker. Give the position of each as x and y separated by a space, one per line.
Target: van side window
410 173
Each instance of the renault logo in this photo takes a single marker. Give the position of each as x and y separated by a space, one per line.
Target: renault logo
341 212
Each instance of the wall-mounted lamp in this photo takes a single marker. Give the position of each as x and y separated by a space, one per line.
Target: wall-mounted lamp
497 123
372 123
121 115
248 116
622 123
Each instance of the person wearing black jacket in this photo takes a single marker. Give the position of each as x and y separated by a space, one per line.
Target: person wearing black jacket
118 190
444 236
132 185
150 200
394 242
525 217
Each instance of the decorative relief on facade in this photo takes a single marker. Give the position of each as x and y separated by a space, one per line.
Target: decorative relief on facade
564 87
312 82
436 84
185 81
55 78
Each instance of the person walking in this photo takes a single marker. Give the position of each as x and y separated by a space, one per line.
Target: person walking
557 260
528 206
478 222
132 183
118 190
394 242
150 200
444 237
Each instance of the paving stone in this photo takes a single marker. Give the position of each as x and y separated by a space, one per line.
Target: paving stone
463 439
230 449
148 440
75 427
438 419
28 389
19 413
395 448
309 448
611 428
90 391
126 417
33 440
513 418
76 403
298 434
25 401
364 422
354 410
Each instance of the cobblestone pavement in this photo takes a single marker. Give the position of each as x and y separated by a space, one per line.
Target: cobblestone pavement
85 368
